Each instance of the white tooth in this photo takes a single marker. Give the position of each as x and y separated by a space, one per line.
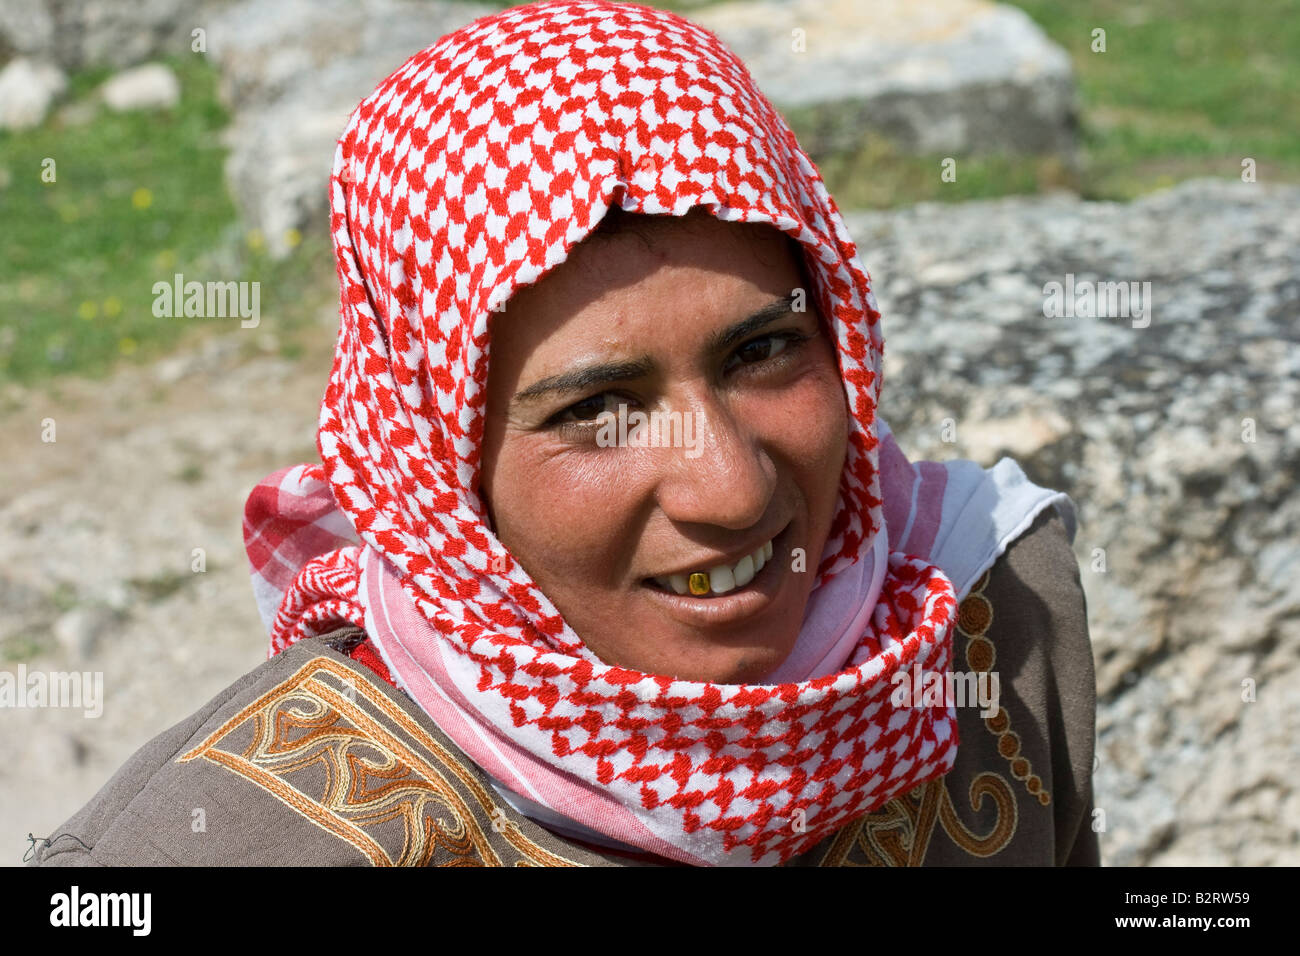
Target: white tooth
721 580
759 558
744 571
678 583
768 549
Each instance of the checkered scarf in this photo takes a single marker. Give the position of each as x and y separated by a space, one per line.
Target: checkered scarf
470 172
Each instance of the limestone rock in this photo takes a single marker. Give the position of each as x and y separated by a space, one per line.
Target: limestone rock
293 72
116 33
150 87
1180 444
27 90
26 28
944 76
80 630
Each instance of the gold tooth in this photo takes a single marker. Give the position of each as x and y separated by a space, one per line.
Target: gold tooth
698 584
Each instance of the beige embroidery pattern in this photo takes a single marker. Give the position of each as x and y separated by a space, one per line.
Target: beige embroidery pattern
344 756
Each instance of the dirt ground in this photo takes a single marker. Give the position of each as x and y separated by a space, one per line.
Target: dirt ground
98 531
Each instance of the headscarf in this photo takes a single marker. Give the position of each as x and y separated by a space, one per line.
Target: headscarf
470 172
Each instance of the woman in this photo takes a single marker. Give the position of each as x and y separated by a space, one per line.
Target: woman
513 623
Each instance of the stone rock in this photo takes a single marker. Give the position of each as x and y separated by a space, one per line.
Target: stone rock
26 28
27 90
944 76
150 87
116 33
293 72
1178 441
281 154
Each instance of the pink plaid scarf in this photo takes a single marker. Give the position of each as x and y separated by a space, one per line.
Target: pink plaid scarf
470 172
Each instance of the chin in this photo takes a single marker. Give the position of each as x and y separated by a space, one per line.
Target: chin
750 666
748 673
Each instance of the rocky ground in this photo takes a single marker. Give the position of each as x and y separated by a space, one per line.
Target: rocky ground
1188 537
97 538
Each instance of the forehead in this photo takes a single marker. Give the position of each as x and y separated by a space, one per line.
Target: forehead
630 252
646 280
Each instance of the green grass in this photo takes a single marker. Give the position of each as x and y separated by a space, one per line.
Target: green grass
880 176
161 586
1185 88
136 198
23 647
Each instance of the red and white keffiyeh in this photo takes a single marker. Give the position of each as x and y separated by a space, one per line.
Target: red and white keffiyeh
470 172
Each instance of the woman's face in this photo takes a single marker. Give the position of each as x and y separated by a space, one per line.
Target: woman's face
745 439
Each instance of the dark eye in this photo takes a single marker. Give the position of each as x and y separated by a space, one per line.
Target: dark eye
767 347
589 408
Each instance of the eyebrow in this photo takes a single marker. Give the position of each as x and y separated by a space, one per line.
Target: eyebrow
580 379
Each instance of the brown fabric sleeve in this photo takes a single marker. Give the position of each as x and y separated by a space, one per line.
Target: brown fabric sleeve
1040 587
1087 848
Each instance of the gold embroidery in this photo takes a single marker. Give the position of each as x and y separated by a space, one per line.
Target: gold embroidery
898 834
974 616
1004 827
324 743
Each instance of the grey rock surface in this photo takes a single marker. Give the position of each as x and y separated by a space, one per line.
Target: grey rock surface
1180 443
293 72
26 28
28 88
944 76
97 564
102 32
150 87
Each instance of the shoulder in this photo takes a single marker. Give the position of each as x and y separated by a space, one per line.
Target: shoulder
310 759
1020 790
1027 619
1041 609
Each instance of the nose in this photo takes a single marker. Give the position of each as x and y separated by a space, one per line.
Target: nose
727 480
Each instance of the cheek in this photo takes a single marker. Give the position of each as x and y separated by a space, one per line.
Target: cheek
808 423
557 503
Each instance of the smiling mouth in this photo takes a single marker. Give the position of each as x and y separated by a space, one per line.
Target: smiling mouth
717 580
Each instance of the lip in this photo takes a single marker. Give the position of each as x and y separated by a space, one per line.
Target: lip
737 605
